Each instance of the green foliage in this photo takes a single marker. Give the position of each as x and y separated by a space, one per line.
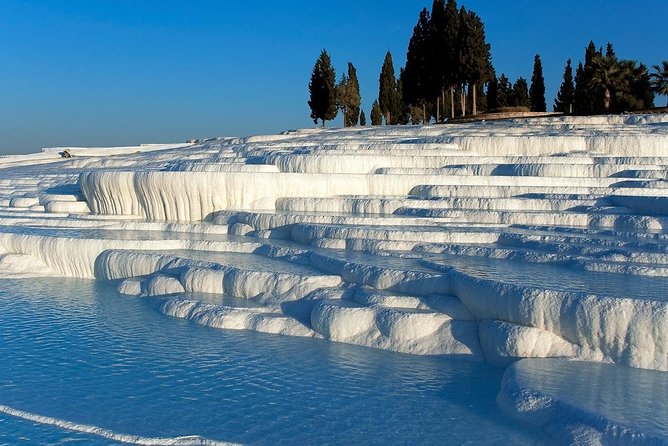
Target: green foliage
610 51
416 115
474 54
504 92
493 94
403 109
639 94
387 92
447 51
580 92
348 97
608 76
641 86
606 84
564 99
322 90
520 93
537 91
441 48
376 114
450 41
659 78
362 118
481 98
415 73
588 99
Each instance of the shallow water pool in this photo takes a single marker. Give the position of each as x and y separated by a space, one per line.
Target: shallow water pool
75 350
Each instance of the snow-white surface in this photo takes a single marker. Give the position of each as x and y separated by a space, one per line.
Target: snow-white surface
489 241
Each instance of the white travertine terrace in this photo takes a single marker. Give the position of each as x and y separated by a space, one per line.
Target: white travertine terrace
489 241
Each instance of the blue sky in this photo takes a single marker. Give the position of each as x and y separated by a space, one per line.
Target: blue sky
115 72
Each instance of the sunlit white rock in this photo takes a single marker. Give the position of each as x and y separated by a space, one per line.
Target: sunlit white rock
583 192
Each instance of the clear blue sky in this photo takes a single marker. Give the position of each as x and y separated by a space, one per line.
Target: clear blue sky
112 72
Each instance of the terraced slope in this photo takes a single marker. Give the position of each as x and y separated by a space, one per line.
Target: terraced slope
486 241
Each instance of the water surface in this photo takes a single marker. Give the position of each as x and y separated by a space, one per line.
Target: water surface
78 351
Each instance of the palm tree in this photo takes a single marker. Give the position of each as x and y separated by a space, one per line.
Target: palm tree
608 75
660 78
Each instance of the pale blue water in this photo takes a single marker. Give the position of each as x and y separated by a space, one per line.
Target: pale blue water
636 398
76 350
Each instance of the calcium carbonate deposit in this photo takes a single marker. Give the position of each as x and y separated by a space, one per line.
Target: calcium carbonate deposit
489 241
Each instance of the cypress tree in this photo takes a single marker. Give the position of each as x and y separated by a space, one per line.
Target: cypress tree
376 114
403 109
362 118
440 53
463 58
387 92
452 69
342 96
537 90
504 92
436 51
521 93
475 65
414 80
593 98
580 96
610 51
322 89
480 99
493 94
564 100
356 97
348 97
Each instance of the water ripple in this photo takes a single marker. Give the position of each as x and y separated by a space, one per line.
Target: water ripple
75 350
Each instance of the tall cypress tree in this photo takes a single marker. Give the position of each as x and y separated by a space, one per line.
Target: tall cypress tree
356 96
362 118
521 93
414 80
387 92
441 50
493 94
593 97
348 97
475 65
342 96
322 89
564 100
537 90
376 114
403 109
436 51
504 91
580 97
452 70
610 51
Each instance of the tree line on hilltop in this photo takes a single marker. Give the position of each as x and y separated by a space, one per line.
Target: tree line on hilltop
449 73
